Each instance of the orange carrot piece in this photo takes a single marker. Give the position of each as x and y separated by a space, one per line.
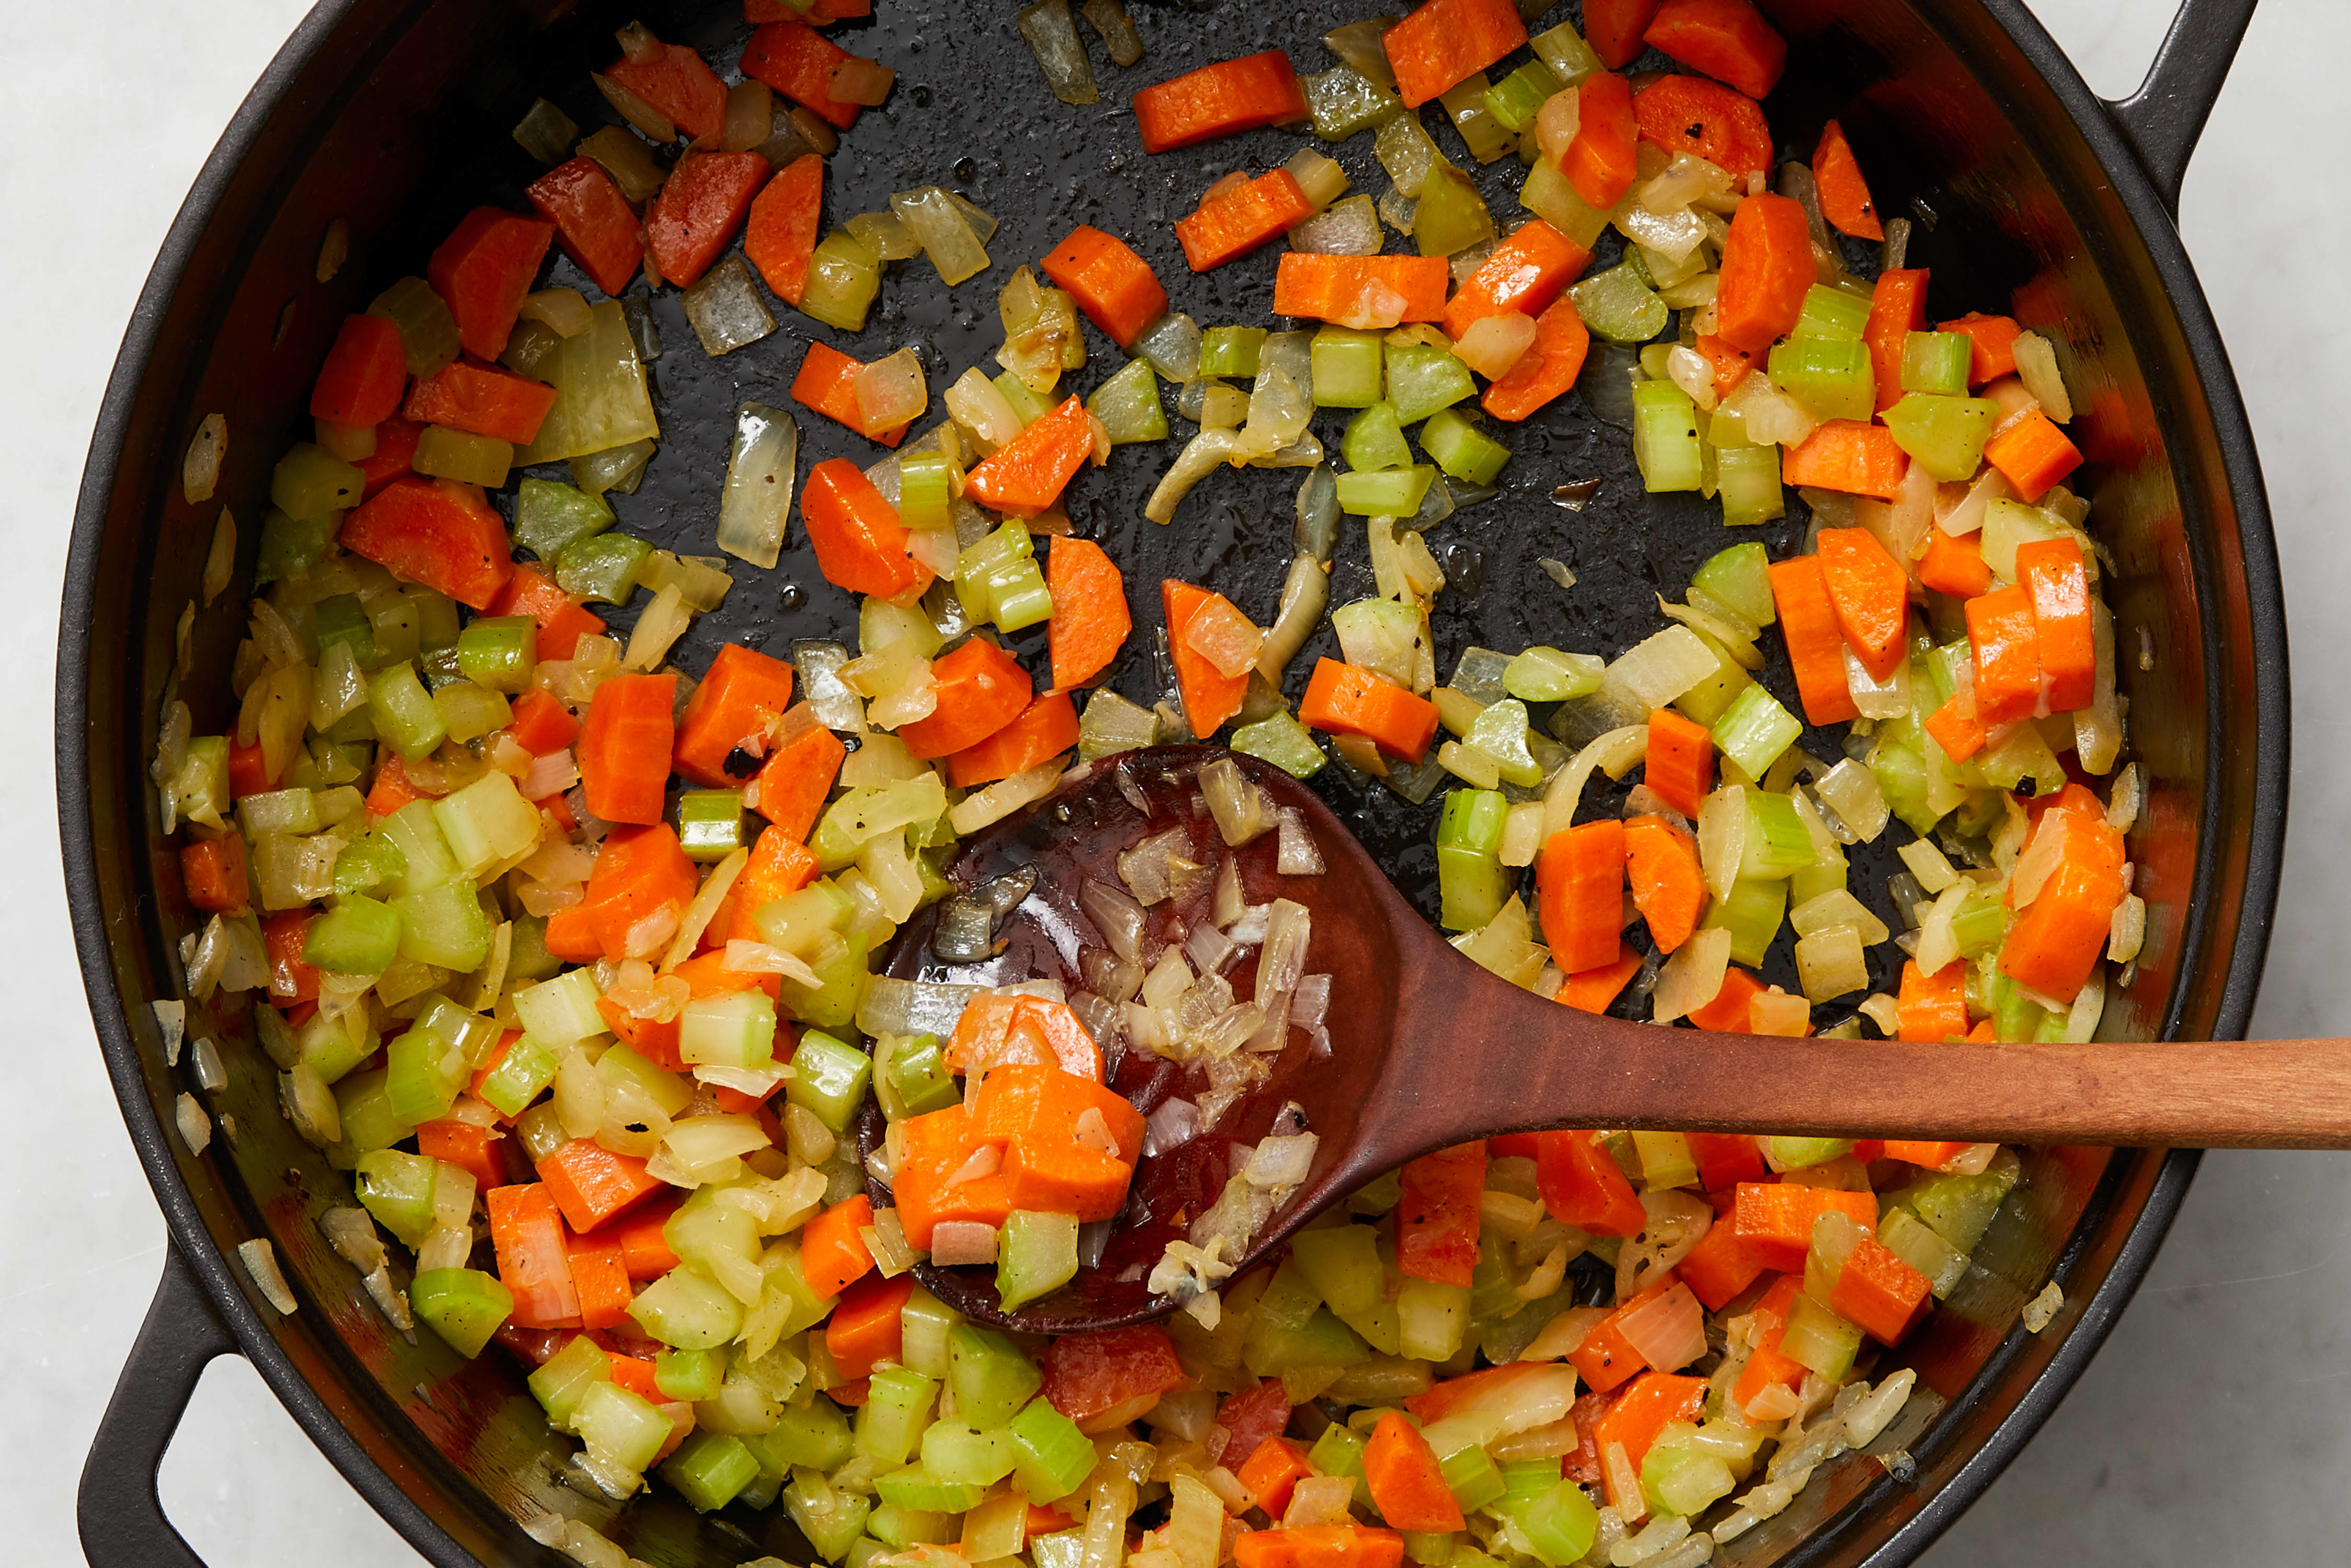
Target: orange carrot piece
441 534
1591 990
1035 1110
1808 621
698 210
644 1249
1725 1159
827 383
638 873
542 724
1727 39
1731 1010
2056 940
1335 288
1768 1367
832 1255
1955 727
482 270
981 689
2053 572
392 789
1775 1218
1545 371
361 382
1399 1466
1606 1359
1994 342
1116 287
743 689
1580 1185
1472 1391
591 1184
283 938
395 450
1346 699
533 1262
213 873
1443 43
1880 1293
1954 564
2007 643
599 1272
1210 696
1767 266
795 780
1655 1401
859 544
624 746
676 81
2033 454
1850 455
1897 307
1680 762
1669 886
1524 273
779 234
1090 618
472 1149
1933 1154
593 222
1273 1472
1436 1217
1601 162
481 400
780 865
1719 1265
1046 727
1255 212
1218 101
995 1029
866 1328
531 590
1613 29
1319 1546
1845 195
798 61
1872 595
1730 362
1932 1006
1580 882
1706 120
1026 475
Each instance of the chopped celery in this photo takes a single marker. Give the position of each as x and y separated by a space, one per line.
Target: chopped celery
1422 379
1817 1338
1665 437
405 718
1470 880
1026 406
357 936
445 925
1374 440
844 277
422 1073
1281 740
1231 352
1908 1237
1754 730
897 1408
1541 675
1461 449
732 1028
1778 842
468 712
1552 196
313 484
425 857
1946 435
918 1076
829 1079
959 1455
602 568
710 1469
486 822
1050 1458
921 1488
366 864
290 546
1128 405
687 1310
1980 920
525 1069
1452 217
1620 305
1473 1477
341 618
1561 1524
1395 493
1830 377
366 1112
1959 1208
1901 774
560 1380
1748 480
1517 98
392 619
815 1436
1937 362
998 580
1500 732
1832 313
1037 1255
903 1528
1682 1481
1347 368
396 1190
550 514
710 823
1742 578
1343 102
463 1306
1752 914
1562 49
1340 1264
924 486
498 653
832 1520
1339 1451
992 1378
444 453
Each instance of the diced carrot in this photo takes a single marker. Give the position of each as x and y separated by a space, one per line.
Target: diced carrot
1273 1472
1955 727
799 62
779 234
1335 287
1546 371
1601 162
1872 595
832 1255
1026 475
1581 1186
981 689
2033 454
676 81
1046 727
779 866
392 789
1850 455
1591 990
624 746
1492 1388
1579 893
936 1147
1727 39
1088 1374
1655 1401
1767 266
591 1184
827 383
698 210
531 590
1116 287
1731 1010
533 1262
1993 338
1443 43
633 1373
1042 1520
705 975
1719 1267
2056 940
1845 195
1401 1469
1774 1219
1725 1159
1236 222
1897 307
593 222
1210 696
638 873
542 724
997 1029
2007 645
1347 699
743 689
866 1328
439 534
2054 572
1768 1367
1090 618
1319 1546
283 938
482 270
1706 120
1933 1006
859 544
481 400
1933 1154
639 1234
1668 887
395 452
1880 1293
213 874
1606 1359
1524 273
1730 363
1808 620
1436 1217
472 1149
1047 1167
1954 563
1613 29
1680 762
796 778
1218 101
361 382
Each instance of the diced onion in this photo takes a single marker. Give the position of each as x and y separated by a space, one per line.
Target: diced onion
1296 853
860 81
725 308
1660 668
658 127
760 470
1851 790
260 1261
1002 799
1692 977
1053 37
1669 1331
1348 227
196 1127
2036 367
940 227
1227 639
957 1241
891 391
1613 753
200 470
1493 344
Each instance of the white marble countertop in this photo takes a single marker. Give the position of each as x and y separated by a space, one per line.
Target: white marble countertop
2212 1427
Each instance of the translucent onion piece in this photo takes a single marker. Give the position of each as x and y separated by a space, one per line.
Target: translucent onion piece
956 1242
1851 790
891 391
1111 725
1296 853
1053 37
725 309
2036 366
220 559
760 472
260 1261
979 406
1968 516
1002 799
858 80
658 127
1304 593
1613 753
1495 343
545 132
1405 151
196 1127
1349 227
1556 124
1831 963
602 398
1676 1223
2098 728
1227 639
939 226
1110 19
1172 344
1692 977
200 469
1200 457
1771 416
1660 669
1320 179
1669 1331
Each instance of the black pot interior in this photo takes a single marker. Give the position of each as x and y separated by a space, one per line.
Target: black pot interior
398 121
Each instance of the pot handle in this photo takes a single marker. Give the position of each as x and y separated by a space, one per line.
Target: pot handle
118 1511
2163 119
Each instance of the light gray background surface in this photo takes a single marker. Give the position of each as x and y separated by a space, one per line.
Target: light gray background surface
2215 1427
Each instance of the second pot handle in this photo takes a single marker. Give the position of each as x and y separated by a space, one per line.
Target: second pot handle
2163 119
118 1509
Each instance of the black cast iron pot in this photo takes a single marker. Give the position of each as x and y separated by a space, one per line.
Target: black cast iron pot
393 115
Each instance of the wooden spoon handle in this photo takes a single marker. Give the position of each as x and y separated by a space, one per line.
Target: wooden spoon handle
1474 1058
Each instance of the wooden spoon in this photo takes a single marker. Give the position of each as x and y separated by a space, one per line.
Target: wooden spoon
1427 1050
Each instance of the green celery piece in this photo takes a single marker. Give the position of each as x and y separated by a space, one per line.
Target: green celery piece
1430 1549
1552 197
1471 883
1377 1196
1748 480
1741 577
1901 774
1561 1524
1026 404
1959 1208
1128 405
918 1487
689 1374
498 653
341 618
1831 377
1395 493
897 1408
1945 436
602 569
1374 440
1473 1477
1461 449
398 635
366 1111
1519 96
425 857
710 1470
815 1436
396 1188
357 936
1832 313
844 277
842 976
891 1526
419 1077
1343 102
1422 379
1665 437
1322 1340
1038 1255
919 1077
445 925
1619 305
1903 1233
563 1377
1452 217
1980 922
366 864
1802 1154
1346 366
833 1521
1339 1451
923 488
1752 914
403 713
1778 842
1231 352
1680 1482
1281 740
1817 1338
1541 674
1465 105
1755 730
1937 362
710 823
290 547
829 1080
1050 1458
436 616
314 483
959 1455
992 1378
550 514
1562 49
1342 1264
